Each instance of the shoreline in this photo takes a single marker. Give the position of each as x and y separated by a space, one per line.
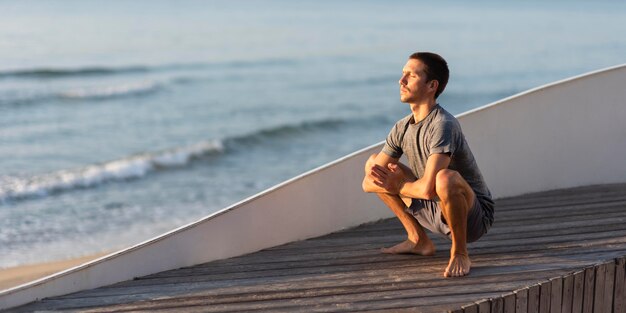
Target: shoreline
18 275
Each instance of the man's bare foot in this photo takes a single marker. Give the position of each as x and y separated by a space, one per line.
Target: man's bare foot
422 247
459 266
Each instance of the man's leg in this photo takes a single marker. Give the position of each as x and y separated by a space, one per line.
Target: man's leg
457 199
417 241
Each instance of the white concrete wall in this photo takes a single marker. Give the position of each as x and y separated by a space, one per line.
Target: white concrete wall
567 134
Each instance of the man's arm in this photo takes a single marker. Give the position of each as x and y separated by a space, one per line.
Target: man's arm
381 160
424 188
391 178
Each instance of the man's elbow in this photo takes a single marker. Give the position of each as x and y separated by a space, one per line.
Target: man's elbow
430 194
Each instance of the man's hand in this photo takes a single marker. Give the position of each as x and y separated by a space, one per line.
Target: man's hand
390 178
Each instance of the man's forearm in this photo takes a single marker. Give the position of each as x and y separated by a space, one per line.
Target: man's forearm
419 189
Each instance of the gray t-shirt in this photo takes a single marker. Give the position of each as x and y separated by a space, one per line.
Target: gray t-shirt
439 132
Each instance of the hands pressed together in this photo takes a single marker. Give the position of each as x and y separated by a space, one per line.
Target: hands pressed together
390 178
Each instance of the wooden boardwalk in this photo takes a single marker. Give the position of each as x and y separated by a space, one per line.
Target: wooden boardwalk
537 237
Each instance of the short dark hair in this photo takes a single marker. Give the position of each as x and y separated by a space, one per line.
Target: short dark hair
436 69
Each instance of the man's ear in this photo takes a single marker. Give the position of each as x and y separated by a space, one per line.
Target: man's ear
433 85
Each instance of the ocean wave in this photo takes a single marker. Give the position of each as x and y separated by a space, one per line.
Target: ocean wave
50 73
121 90
130 89
132 167
280 131
23 97
88 71
140 165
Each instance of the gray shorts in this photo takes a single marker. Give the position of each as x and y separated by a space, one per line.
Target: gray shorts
428 214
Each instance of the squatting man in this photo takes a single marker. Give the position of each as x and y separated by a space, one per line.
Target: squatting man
441 188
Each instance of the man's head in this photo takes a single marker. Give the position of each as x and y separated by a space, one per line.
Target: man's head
425 75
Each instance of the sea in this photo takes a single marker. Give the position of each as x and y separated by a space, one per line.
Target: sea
121 120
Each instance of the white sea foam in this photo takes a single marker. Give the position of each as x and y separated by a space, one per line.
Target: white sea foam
131 167
110 91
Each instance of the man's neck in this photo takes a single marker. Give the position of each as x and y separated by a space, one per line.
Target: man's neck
421 110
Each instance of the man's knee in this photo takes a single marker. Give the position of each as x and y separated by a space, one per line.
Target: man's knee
448 183
370 163
372 159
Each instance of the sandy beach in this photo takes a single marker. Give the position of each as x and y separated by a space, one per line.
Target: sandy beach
16 276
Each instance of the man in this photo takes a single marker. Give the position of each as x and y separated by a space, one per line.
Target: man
442 189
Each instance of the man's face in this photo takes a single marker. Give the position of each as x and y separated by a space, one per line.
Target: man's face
413 85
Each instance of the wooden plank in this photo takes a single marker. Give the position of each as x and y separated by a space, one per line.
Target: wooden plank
502 228
588 290
497 305
470 308
573 192
544 209
373 253
507 218
555 199
321 284
533 298
619 299
556 230
545 289
558 204
347 275
327 305
598 295
540 234
579 284
556 294
578 210
577 213
370 247
509 303
484 306
609 281
425 261
555 204
270 301
519 204
352 250
568 293
521 300
369 260
374 257
568 221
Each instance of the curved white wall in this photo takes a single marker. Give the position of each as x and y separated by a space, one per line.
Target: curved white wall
567 134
